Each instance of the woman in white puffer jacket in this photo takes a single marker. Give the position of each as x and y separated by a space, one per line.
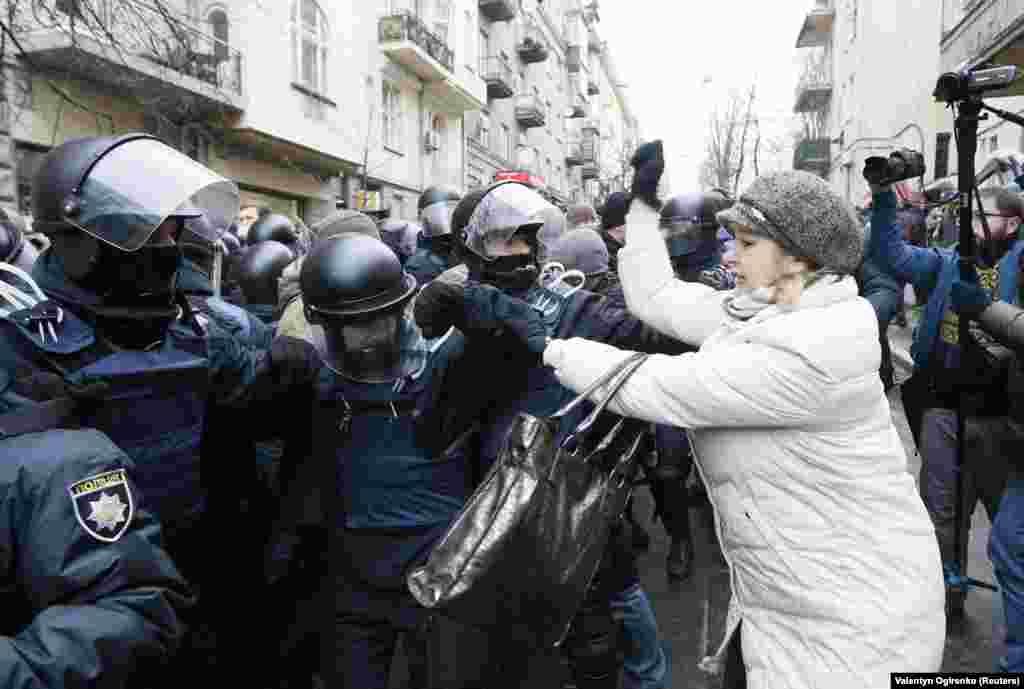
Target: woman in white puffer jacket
835 569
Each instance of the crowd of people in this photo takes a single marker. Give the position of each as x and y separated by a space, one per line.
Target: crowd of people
229 437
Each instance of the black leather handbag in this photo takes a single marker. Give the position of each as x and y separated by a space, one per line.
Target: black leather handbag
523 551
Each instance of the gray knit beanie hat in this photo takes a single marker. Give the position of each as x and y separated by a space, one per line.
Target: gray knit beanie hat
583 250
803 213
344 220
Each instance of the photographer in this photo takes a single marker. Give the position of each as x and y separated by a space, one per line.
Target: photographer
944 370
1005 322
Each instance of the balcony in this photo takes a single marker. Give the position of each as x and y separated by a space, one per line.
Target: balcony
157 54
817 27
577 110
814 89
498 10
592 125
812 155
499 77
590 171
406 40
593 87
532 48
530 112
588 150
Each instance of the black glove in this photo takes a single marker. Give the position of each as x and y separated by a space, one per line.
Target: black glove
439 306
648 163
490 309
294 361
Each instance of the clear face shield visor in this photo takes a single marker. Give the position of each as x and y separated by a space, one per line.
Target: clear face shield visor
436 218
502 213
686 236
137 185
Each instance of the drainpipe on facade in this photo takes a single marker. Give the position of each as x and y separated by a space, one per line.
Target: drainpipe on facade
420 148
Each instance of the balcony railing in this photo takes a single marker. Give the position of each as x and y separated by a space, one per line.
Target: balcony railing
499 76
532 48
406 26
817 27
592 125
589 148
814 88
812 155
498 10
590 171
158 35
593 86
530 112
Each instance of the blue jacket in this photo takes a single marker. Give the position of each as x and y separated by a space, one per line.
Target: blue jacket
933 270
77 610
424 264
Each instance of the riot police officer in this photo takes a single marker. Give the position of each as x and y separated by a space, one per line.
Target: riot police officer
497 229
401 237
113 333
273 227
691 235
387 442
433 254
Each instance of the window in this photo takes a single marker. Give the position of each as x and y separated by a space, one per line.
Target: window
505 143
442 17
309 45
483 129
852 13
471 38
993 143
218 20
485 50
391 119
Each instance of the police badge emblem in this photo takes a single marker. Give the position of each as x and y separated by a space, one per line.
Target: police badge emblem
103 504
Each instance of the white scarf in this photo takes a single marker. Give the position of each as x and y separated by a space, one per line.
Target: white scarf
746 302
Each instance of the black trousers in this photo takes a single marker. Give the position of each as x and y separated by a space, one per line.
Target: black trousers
735 676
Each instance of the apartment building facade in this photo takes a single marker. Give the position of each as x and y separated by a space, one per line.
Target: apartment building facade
557 115
978 32
303 103
869 71
310 104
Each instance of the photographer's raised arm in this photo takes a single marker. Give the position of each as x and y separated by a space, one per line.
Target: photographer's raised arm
886 246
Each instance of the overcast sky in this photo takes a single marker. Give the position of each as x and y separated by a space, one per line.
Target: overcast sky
666 50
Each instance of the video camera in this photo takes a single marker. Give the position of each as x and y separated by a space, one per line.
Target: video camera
900 165
966 82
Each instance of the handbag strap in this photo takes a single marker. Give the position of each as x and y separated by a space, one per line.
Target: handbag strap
623 372
604 379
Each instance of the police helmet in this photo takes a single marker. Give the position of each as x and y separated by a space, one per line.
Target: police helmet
351 276
496 213
581 249
688 220
273 227
97 198
258 269
435 210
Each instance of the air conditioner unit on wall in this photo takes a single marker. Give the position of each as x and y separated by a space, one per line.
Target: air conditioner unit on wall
431 141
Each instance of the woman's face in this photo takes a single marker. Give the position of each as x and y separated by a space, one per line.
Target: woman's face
761 262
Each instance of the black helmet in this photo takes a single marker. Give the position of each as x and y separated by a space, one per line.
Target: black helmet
258 269
400 236
435 210
275 227
120 189
353 275
688 220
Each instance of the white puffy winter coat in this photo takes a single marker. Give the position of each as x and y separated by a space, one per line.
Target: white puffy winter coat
835 568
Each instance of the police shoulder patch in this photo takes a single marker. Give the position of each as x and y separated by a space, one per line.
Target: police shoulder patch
103 504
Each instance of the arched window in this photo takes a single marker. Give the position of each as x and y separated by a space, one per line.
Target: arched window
309 45
218 20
